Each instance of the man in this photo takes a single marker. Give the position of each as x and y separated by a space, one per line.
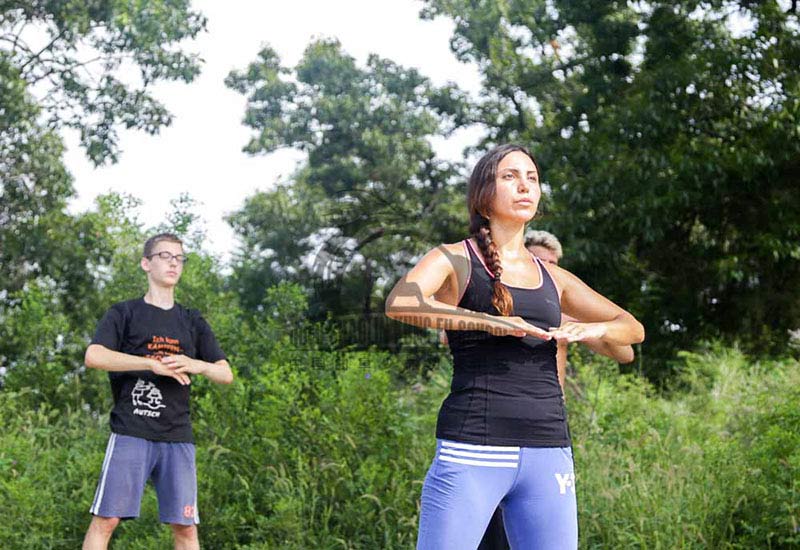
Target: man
151 347
546 247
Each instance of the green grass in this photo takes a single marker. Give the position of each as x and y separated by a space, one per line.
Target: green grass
333 457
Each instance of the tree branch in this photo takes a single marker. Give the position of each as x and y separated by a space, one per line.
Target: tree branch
65 68
40 52
374 235
520 112
19 34
16 43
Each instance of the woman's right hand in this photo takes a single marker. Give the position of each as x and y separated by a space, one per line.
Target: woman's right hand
514 326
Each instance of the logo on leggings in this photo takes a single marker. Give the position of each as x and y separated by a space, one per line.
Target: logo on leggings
147 395
565 481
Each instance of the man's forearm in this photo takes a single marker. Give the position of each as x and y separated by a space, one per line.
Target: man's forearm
561 363
619 353
102 358
219 372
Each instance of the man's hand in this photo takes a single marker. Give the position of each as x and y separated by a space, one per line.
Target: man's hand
162 369
183 365
573 331
218 372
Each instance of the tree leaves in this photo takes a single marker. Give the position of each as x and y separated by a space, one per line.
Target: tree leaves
72 56
367 197
666 139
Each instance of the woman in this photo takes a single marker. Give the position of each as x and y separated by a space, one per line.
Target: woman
502 436
547 248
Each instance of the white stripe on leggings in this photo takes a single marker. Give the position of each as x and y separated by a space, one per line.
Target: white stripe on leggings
471 447
446 458
491 456
98 498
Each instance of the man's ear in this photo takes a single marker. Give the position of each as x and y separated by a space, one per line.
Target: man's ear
144 263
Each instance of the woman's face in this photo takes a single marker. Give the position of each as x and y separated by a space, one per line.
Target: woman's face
517 189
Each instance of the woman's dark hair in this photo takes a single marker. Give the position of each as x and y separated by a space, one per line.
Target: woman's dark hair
480 195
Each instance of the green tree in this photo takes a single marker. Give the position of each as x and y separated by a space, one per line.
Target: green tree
69 55
372 193
669 142
34 183
60 67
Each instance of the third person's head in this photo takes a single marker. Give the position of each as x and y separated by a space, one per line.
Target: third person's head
544 245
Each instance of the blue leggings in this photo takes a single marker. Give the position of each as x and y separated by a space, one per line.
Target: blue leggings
534 487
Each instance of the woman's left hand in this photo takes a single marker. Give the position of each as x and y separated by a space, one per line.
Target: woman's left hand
573 331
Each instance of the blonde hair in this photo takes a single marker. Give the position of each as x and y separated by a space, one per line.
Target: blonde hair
537 237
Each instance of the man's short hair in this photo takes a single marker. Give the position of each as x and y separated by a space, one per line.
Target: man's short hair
537 237
151 243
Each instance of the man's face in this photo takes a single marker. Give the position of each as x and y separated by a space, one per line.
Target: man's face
544 254
164 271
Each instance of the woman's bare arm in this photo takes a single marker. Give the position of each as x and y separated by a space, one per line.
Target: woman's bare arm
600 318
412 299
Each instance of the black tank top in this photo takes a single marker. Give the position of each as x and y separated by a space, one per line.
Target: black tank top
505 389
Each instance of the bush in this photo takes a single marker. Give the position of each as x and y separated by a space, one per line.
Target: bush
713 466
324 448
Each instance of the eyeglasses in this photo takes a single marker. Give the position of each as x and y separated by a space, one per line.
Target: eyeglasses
167 256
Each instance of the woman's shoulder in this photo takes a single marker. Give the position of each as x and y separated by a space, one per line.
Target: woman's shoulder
563 278
449 249
455 252
456 248
451 256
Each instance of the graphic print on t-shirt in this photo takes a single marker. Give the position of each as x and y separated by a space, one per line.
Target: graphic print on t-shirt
163 346
146 394
147 405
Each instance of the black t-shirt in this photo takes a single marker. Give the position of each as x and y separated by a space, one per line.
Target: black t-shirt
147 405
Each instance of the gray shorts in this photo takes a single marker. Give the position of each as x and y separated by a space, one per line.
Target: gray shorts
130 462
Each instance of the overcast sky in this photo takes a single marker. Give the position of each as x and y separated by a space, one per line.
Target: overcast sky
200 152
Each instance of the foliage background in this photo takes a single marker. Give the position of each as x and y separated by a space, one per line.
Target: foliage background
670 153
